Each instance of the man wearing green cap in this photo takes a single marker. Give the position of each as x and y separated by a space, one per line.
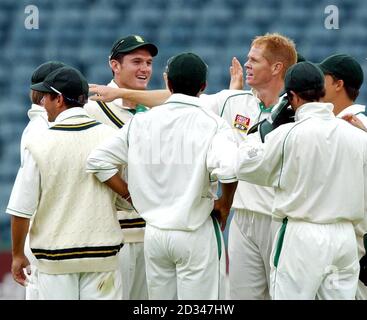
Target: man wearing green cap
173 152
37 123
252 228
343 80
317 166
75 244
131 62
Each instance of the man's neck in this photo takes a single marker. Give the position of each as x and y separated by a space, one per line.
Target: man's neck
341 104
269 95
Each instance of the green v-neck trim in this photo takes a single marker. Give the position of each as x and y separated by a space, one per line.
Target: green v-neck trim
265 109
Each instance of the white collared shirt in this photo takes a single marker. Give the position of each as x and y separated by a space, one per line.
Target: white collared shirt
317 165
358 110
172 152
241 110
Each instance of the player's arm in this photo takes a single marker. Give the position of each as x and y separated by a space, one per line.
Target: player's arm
119 186
223 205
149 98
23 203
152 98
221 159
260 163
19 230
106 160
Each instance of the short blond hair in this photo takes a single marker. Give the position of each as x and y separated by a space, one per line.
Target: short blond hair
277 48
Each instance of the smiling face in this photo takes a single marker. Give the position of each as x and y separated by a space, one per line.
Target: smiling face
134 70
258 68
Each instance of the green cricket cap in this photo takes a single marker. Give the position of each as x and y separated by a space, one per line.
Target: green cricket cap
303 76
66 81
187 68
43 70
131 43
344 67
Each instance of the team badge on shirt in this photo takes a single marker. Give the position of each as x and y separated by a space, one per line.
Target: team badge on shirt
241 123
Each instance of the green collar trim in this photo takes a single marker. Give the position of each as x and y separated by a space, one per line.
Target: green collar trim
265 109
185 103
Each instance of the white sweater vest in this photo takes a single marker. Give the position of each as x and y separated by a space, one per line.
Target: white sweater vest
75 228
132 224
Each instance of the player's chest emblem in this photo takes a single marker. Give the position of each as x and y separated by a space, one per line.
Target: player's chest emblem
241 123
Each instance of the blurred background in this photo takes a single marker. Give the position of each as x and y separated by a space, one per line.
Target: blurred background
81 33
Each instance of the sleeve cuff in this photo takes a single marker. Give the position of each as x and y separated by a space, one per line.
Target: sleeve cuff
228 180
18 213
104 176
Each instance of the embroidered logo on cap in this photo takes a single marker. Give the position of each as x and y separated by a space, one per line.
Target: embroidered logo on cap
139 39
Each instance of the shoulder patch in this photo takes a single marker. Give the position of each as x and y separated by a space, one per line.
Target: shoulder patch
241 123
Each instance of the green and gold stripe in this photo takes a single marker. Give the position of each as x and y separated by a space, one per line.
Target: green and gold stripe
77 253
75 127
109 113
132 223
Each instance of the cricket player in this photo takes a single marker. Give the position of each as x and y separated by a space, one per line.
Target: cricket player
75 245
317 166
173 152
343 80
131 62
37 123
252 229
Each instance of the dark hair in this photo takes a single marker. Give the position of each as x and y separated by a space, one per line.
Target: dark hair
69 103
118 57
352 93
312 95
189 88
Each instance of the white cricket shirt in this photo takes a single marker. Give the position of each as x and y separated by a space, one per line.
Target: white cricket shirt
172 152
317 165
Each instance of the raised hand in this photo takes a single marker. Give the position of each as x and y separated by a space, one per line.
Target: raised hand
236 71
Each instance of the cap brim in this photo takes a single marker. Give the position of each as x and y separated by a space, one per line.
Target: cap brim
41 88
150 47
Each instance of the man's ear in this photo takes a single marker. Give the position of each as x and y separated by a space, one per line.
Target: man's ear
115 65
277 68
60 100
339 85
202 87
169 85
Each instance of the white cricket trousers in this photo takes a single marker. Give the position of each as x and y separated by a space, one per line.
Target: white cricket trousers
80 286
360 229
132 266
312 260
250 242
185 265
